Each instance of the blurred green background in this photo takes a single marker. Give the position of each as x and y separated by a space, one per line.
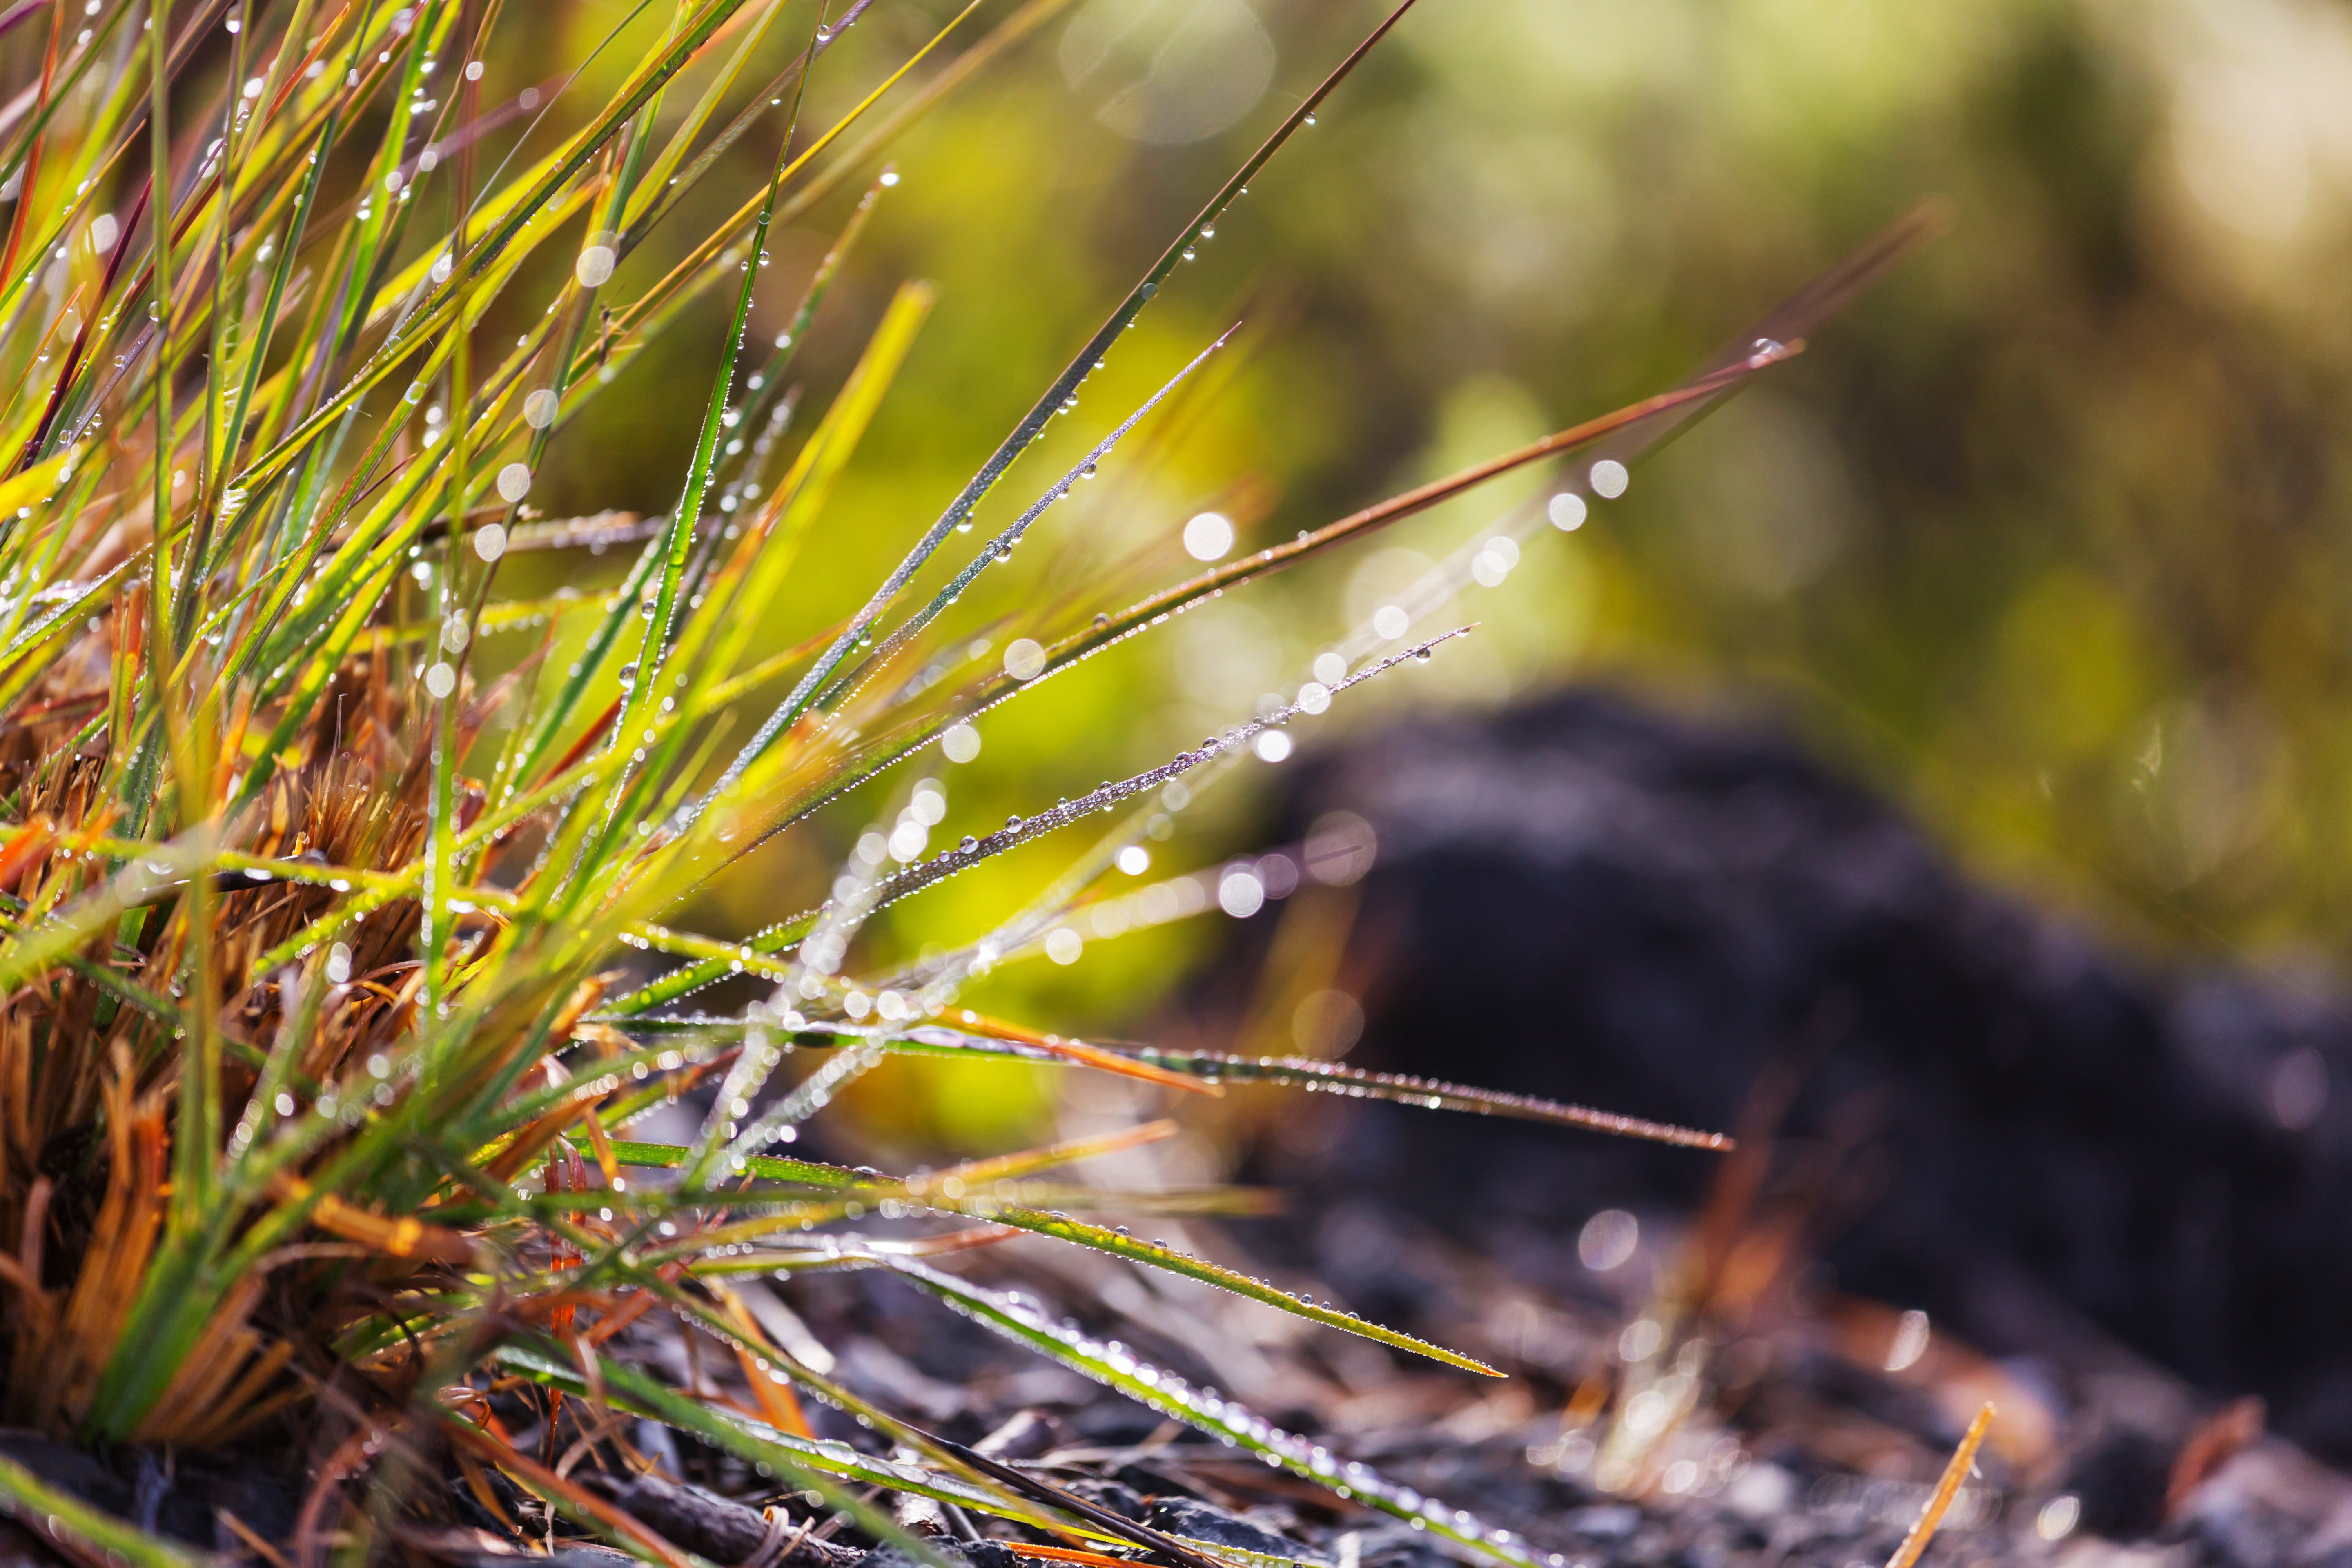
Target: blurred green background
2047 536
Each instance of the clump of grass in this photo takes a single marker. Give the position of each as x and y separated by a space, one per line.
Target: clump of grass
317 1073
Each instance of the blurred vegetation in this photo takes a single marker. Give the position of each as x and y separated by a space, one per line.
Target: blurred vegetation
2048 535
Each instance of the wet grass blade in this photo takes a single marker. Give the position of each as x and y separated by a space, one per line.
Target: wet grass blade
1431 1094
1221 1418
1058 397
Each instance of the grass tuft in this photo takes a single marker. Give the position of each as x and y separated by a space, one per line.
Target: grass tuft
317 1061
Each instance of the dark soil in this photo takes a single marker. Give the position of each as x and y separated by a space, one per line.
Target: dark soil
2117 1197
2023 1133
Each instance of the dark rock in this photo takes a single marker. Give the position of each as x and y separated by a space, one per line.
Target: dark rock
2120 1481
2248 1532
971 1554
1205 1521
1104 1493
1584 900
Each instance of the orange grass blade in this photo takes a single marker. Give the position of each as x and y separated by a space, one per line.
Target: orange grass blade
1922 1530
1085 1055
1066 1555
403 1237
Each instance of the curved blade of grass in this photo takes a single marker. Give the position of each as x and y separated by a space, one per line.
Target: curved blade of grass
67 929
35 648
1157 1255
1174 600
1173 1548
1219 1068
896 746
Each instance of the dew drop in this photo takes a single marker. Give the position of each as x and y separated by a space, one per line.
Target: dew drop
1024 658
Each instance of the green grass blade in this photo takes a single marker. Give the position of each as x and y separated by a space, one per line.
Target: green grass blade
1059 396
46 1511
1204 1410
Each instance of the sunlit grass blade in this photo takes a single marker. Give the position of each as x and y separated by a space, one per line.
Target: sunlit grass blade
1431 1094
1109 628
1206 1411
998 549
1059 395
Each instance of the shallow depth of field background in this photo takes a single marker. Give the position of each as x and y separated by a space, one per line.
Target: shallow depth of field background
2051 537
